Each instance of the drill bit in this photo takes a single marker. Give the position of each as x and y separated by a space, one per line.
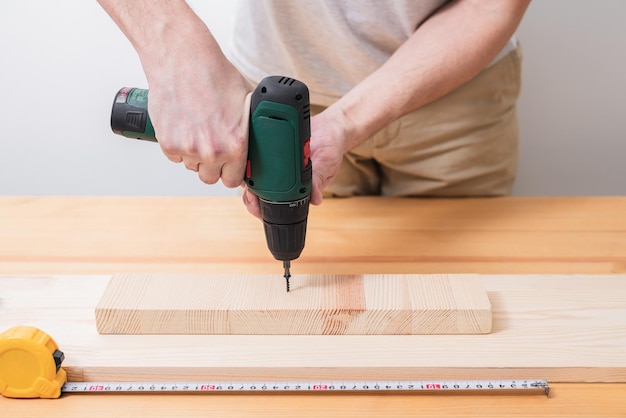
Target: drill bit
286 266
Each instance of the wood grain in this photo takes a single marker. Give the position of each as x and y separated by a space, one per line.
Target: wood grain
564 328
316 305
566 400
198 235
98 235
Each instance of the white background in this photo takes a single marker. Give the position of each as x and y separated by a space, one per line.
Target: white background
61 62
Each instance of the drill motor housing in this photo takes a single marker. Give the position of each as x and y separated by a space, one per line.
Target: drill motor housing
279 168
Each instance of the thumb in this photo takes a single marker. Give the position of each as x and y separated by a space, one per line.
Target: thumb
251 201
317 187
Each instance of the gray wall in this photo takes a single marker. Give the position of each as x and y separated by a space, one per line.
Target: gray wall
572 108
63 61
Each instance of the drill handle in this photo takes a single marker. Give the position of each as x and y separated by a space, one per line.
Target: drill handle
279 165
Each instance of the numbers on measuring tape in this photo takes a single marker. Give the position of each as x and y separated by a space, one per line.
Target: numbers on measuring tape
95 387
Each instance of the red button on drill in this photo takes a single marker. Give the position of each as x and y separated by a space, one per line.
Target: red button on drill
307 152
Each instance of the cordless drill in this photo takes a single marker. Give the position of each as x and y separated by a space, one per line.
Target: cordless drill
278 168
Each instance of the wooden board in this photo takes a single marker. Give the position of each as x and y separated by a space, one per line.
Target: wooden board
567 400
400 304
84 236
361 235
564 328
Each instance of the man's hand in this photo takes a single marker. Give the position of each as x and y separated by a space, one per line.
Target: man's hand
197 97
328 144
200 120
328 136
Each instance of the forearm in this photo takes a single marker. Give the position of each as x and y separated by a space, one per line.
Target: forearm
196 95
449 49
162 31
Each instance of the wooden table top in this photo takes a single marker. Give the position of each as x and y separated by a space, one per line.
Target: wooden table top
103 235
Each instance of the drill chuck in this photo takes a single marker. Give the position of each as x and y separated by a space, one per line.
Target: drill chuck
285 227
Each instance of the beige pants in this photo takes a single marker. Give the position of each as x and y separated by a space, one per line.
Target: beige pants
463 144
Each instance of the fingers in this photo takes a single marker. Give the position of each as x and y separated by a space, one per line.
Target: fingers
214 149
327 139
212 156
209 173
231 173
316 192
172 157
236 150
251 201
229 168
191 165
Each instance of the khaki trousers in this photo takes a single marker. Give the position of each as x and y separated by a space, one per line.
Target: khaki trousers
463 144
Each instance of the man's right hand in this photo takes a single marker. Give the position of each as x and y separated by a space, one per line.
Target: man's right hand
196 95
199 117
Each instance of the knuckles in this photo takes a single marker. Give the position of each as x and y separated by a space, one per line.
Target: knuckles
213 155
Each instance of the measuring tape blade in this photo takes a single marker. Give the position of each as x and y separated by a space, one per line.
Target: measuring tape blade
539 385
30 367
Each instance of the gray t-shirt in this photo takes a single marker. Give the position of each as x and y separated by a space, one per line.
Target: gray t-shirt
331 45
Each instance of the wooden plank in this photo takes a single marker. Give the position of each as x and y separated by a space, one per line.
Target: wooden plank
564 328
567 400
96 235
105 235
316 305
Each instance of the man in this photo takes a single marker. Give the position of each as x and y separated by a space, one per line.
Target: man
413 97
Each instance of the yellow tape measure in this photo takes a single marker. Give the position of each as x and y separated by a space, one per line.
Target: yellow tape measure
30 367
30 364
